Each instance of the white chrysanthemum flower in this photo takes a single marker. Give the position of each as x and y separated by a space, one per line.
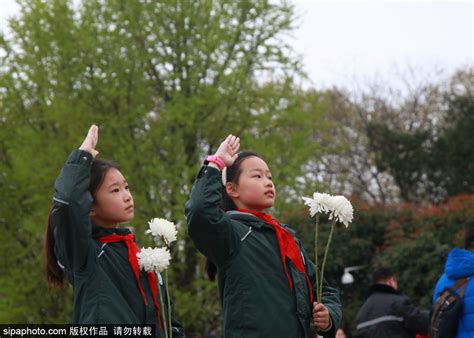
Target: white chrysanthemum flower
319 203
162 229
154 259
340 209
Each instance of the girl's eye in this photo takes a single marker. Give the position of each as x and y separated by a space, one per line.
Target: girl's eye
127 188
270 178
257 176
116 190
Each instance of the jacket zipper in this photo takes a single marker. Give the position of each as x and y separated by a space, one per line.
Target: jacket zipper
101 250
245 236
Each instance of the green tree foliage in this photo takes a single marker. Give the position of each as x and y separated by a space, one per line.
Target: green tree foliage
404 155
400 145
454 150
165 81
431 162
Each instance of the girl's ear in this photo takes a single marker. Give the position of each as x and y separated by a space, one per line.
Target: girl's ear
92 213
231 190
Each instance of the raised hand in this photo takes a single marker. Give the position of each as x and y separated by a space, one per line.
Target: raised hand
90 142
228 149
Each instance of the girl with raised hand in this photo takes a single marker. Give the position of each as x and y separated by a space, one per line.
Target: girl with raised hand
84 243
266 280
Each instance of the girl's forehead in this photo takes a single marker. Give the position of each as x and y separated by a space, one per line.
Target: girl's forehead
254 163
114 175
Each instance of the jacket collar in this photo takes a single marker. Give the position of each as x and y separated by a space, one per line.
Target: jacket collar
382 288
256 222
98 231
246 217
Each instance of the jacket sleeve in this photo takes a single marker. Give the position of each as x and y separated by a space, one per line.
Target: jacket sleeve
329 297
209 226
71 207
415 320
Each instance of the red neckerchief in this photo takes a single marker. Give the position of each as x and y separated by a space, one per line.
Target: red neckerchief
288 248
133 250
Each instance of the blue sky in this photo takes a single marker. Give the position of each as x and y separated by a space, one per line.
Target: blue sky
347 43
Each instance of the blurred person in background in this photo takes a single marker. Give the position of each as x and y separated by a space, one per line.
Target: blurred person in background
387 313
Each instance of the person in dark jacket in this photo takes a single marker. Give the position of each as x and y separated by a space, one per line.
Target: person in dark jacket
387 313
84 243
460 264
266 280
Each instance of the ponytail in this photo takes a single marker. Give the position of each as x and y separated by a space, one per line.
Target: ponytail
53 272
211 270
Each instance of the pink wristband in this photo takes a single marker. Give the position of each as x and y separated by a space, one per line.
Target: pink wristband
217 161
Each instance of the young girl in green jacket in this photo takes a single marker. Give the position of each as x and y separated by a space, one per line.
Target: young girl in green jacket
266 280
84 243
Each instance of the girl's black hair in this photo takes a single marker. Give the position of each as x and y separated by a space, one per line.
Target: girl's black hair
232 175
54 274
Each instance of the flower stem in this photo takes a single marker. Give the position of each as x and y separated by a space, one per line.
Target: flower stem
324 259
169 303
316 235
163 319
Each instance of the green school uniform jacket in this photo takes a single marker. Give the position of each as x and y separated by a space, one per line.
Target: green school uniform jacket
105 288
254 290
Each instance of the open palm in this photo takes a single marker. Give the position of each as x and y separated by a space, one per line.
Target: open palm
90 142
228 149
